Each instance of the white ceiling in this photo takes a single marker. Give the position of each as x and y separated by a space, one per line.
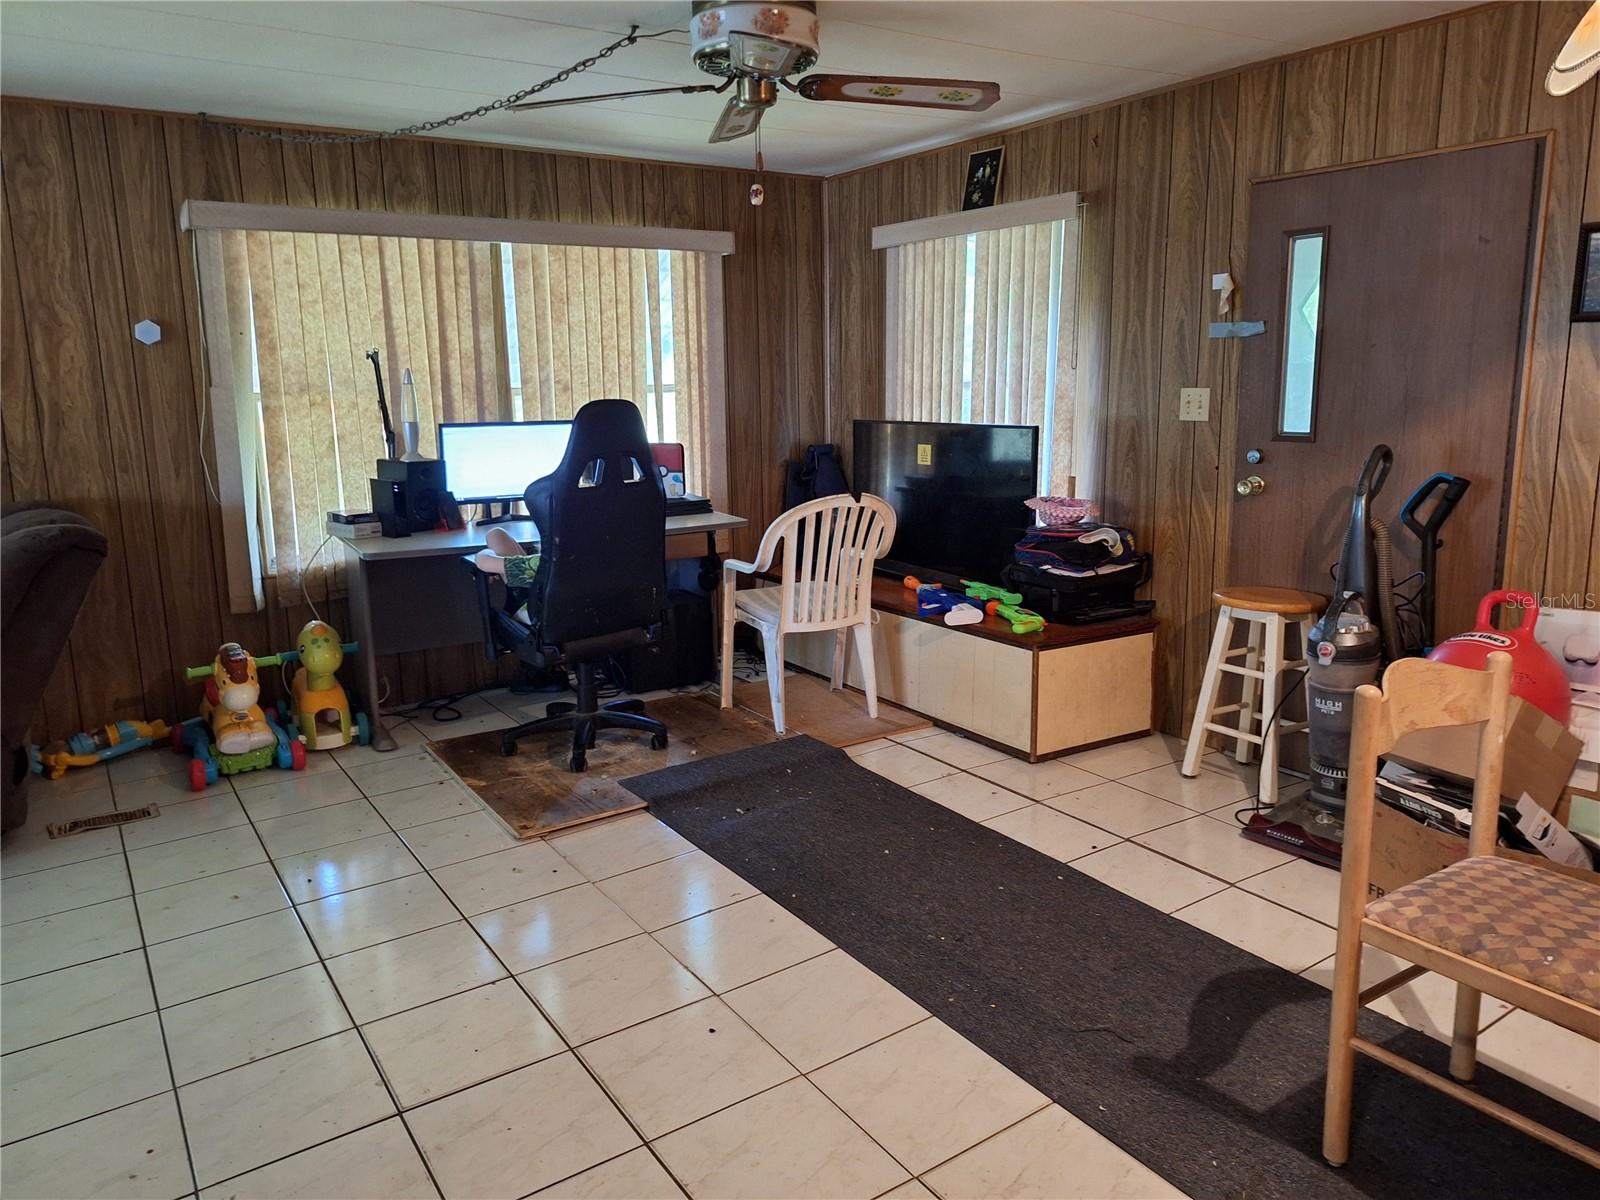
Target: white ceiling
372 64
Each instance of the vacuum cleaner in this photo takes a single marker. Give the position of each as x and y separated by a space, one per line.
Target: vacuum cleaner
1358 634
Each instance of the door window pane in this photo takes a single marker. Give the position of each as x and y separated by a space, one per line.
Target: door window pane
1301 325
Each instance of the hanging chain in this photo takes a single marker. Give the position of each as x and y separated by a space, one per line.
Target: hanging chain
339 139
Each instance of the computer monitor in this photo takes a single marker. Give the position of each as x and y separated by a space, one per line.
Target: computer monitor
488 461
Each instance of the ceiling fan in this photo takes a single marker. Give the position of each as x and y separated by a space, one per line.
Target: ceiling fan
755 47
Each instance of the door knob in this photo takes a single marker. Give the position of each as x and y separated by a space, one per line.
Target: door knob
1251 486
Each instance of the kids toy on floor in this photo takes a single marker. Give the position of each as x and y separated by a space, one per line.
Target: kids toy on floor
233 733
319 710
95 746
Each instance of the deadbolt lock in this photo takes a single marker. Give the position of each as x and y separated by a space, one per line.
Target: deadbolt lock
1252 486
1252 457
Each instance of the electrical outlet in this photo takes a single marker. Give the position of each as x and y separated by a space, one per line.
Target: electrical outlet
1194 404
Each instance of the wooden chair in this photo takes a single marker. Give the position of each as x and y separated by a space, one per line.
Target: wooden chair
828 548
1518 932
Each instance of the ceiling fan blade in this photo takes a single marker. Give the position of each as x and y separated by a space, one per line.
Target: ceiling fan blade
666 91
737 121
910 92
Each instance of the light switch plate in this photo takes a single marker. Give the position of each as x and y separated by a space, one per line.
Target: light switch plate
1194 404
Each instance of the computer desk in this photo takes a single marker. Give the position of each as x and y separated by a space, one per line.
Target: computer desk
412 593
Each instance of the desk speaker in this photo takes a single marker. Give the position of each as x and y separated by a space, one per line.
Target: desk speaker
405 495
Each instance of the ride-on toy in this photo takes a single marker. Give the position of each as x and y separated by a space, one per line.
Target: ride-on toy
233 733
95 746
319 709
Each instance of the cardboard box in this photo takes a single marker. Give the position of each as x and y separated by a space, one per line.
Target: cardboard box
1403 851
1540 754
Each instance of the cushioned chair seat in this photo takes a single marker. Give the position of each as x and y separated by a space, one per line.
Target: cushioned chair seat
1529 923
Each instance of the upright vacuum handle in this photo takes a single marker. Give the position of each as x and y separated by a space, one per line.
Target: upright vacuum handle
1454 486
1375 471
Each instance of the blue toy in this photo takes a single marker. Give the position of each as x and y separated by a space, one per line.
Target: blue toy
94 746
933 600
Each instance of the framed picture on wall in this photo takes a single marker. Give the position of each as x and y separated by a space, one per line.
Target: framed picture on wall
983 178
1586 284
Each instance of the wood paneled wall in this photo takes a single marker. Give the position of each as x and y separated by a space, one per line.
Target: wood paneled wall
95 422
1167 181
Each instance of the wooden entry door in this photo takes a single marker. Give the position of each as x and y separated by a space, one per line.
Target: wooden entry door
1395 297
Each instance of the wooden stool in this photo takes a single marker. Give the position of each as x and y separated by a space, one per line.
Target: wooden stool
1267 611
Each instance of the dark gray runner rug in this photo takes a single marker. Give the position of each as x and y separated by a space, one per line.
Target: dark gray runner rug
1199 1059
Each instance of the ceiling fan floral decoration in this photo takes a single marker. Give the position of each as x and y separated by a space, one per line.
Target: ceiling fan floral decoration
757 49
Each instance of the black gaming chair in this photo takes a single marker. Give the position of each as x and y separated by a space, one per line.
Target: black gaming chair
601 585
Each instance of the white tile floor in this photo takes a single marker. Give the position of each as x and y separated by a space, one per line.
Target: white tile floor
353 983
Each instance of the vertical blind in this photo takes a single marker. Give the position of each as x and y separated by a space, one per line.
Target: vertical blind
602 321
981 328
317 303
584 322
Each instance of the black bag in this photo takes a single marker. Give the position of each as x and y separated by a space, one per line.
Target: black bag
818 474
1103 595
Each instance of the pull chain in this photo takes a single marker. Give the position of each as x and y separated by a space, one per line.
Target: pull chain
758 193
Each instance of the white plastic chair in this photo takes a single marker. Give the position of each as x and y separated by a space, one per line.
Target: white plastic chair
828 549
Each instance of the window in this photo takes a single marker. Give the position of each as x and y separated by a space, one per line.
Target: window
1302 334
491 328
980 327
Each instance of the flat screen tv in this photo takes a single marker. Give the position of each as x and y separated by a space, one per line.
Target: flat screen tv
959 492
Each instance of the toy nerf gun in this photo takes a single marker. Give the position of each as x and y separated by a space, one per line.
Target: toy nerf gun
1023 620
934 600
984 593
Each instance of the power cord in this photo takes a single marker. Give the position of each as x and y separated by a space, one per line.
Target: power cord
441 708
748 668
1255 801
306 569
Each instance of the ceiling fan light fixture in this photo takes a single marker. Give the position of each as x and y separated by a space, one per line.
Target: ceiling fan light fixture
739 37
1578 60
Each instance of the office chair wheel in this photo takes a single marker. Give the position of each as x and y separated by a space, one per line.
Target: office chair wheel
508 748
578 761
658 741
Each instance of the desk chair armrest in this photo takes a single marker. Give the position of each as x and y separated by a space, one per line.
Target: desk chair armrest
732 566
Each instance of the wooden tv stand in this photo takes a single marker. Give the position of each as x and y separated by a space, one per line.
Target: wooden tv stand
1035 695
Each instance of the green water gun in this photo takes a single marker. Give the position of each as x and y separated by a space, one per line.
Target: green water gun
984 593
1023 620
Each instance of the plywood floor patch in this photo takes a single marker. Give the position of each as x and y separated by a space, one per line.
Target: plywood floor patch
533 793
